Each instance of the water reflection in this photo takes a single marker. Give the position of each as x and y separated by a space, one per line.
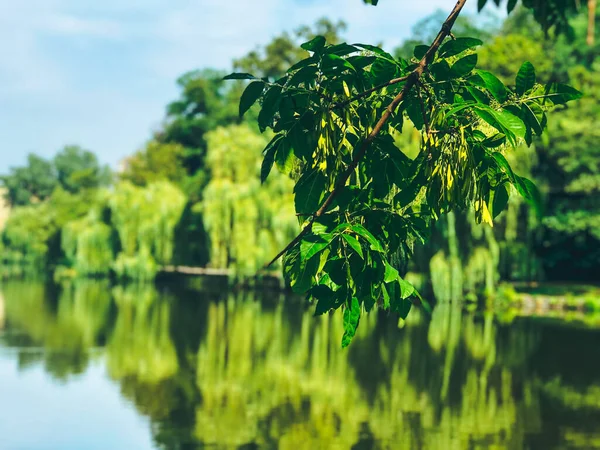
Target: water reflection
239 369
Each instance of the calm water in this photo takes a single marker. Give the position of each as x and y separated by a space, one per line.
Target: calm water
92 366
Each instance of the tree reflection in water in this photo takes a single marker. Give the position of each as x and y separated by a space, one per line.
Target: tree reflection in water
232 369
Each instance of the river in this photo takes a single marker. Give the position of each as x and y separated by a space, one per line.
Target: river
95 366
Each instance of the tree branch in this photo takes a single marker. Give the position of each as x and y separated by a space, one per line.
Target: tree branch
411 80
369 91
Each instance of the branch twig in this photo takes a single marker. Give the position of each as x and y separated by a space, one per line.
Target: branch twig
411 80
369 91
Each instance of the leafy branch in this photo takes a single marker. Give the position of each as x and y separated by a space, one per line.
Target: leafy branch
411 80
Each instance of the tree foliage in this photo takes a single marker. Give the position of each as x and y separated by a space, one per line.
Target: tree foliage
360 199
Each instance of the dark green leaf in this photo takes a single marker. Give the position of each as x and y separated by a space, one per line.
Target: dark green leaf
252 93
525 78
494 85
560 94
503 164
401 306
494 141
325 299
312 245
304 75
455 46
414 111
499 200
353 242
511 5
463 66
383 70
440 70
239 76
309 189
269 157
376 50
351 320
366 234
315 44
342 49
269 107
420 51
532 120
529 192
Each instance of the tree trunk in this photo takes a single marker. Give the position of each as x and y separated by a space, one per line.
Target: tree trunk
591 22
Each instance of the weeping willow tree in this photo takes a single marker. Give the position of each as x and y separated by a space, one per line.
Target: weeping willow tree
88 244
145 219
246 222
26 237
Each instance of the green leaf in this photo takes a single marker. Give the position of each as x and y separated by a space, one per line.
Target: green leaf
312 245
252 93
463 66
351 320
440 70
532 120
269 107
386 297
309 189
333 62
455 46
366 234
353 242
406 289
494 85
560 94
525 78
529 192
376 50
239 76
300 274
499 200
284 157
511 122
401 306
269 157
503 164
325 299
304 75
391 274
342 49
420 51
383 70
413 109
315 44
511 5
478 96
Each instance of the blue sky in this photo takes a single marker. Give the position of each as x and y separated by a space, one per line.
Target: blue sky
99 73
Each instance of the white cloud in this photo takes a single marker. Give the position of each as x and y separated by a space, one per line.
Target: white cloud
53 92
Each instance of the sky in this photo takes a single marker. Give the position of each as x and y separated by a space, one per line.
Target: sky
99 73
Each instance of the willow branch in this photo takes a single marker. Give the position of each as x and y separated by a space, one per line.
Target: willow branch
411 80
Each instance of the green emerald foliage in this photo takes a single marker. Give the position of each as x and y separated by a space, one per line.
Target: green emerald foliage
322 111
